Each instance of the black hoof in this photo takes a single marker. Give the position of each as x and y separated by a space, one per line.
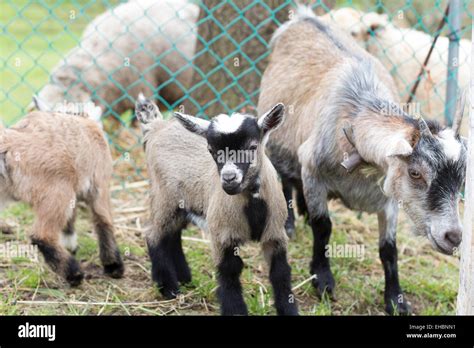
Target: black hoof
75 279
183 273
290 229
289 310
324 283
290 232
114 270
185 278
74 275
169 293
397 305
231 304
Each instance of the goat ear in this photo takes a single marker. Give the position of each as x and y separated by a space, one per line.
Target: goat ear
193 124
400 149
40 104
272 119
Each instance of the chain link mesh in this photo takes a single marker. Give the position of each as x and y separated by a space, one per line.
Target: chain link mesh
37 36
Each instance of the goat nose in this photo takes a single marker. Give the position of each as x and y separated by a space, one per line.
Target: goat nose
453 237
228 177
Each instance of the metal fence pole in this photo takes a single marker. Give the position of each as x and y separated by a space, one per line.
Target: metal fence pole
454 23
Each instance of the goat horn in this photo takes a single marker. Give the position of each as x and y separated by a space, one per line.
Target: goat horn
424 129
457 120
349 133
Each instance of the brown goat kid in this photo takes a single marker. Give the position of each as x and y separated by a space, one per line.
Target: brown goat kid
51 160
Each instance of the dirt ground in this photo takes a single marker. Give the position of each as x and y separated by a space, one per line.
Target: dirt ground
430 280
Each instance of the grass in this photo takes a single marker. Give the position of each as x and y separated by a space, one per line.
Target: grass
429 279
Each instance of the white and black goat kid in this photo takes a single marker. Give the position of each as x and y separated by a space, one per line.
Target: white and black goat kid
216 174
345 110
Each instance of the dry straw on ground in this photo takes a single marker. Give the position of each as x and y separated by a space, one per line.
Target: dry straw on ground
429 279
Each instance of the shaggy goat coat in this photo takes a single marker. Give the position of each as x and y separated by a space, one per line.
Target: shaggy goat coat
342 103
235 199
51 160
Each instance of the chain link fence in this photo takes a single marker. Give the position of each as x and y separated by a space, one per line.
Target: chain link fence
194 55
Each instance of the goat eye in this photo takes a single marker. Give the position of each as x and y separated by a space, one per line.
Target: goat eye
253 147
414 174
210 150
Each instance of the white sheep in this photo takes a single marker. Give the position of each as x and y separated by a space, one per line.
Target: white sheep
140 45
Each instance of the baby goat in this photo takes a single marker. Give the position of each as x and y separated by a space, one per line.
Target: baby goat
50 160
219 176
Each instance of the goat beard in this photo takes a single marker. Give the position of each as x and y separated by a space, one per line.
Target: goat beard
418 228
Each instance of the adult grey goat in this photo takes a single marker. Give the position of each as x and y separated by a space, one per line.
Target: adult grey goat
342 107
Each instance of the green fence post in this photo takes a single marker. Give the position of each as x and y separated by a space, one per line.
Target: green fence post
454 23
